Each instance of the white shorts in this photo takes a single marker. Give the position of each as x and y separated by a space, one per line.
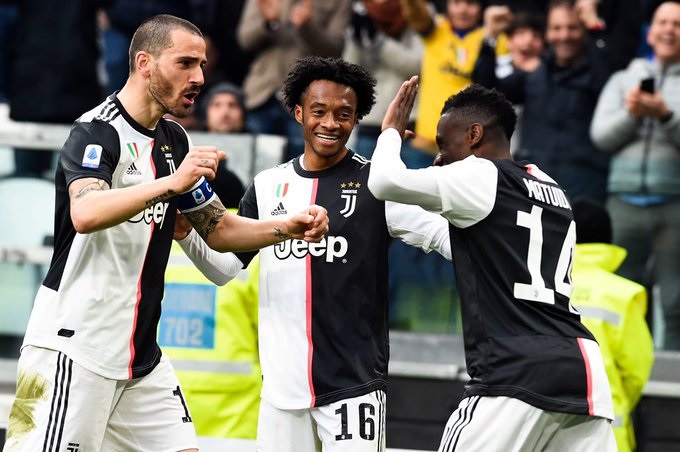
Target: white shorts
349 425
61 406
506 424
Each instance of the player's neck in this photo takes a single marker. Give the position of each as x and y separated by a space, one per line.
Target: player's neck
312 161
137 102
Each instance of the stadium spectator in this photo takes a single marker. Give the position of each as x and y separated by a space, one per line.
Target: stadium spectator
91 375
642 132
223 109
526 45
53 72
380 40
558 101
533 366
613 309
276 33
452 43
323 310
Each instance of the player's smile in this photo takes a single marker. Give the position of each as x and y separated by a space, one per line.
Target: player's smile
328 139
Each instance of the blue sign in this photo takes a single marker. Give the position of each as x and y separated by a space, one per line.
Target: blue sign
188 317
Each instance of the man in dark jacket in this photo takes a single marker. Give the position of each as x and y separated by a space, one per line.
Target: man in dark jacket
559 98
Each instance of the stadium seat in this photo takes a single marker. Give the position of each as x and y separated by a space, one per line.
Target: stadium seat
28 204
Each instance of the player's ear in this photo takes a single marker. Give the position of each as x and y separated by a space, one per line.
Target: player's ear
143 63
474 134
298 113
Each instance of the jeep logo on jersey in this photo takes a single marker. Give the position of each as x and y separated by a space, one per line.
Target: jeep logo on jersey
154 214
333 247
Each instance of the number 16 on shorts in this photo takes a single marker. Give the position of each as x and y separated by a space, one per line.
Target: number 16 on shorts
357 424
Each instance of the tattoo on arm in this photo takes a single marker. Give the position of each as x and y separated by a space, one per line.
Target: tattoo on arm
279 234
95 185
156 199
205 220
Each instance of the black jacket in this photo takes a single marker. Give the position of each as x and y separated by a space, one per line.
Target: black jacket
53 76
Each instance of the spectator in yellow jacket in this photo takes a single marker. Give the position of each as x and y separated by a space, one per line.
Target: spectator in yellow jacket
613 309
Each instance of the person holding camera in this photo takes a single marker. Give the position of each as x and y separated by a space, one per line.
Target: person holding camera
635 121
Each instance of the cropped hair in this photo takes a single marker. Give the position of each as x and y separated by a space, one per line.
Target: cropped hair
155 35
560 4
486 106
312 68
526 20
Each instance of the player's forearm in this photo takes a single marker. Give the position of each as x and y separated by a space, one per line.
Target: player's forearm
235 233
95 207
220 268
225 232
390 180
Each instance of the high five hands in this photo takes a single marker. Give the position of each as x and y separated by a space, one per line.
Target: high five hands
398 112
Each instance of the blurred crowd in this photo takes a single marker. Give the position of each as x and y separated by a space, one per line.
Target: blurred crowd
595 83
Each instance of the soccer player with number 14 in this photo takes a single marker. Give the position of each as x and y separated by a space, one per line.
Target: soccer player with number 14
537 381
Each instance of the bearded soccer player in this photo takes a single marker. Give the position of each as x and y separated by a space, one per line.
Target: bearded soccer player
91 375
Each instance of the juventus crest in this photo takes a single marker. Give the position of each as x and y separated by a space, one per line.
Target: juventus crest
349 195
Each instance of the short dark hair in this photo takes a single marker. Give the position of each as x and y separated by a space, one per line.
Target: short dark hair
154 35
526 19
312 68
552 4
222 88
479 104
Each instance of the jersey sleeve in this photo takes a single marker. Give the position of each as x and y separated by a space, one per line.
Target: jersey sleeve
91 150
419 228
220 268
464 192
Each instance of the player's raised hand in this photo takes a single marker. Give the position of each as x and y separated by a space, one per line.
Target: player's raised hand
310 225
398 112
497 19
270 9
201 161
301 13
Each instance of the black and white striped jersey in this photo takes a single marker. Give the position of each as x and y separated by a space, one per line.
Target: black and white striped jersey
512 238
100 301
323 307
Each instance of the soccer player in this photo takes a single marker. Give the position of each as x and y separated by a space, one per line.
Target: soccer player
537 381
323 307
91 375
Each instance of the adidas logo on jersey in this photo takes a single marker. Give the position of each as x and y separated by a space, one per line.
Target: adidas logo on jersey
279 210
133 171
